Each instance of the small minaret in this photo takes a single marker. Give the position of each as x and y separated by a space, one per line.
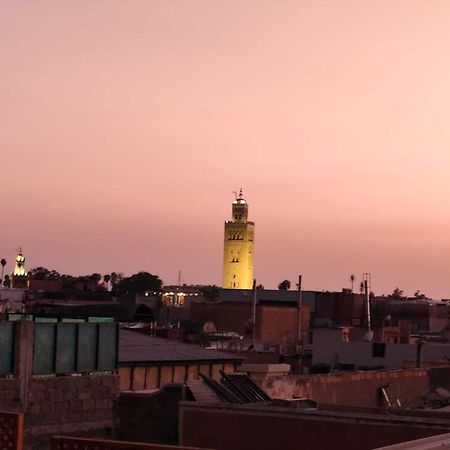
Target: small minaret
19 269
19 276
238 247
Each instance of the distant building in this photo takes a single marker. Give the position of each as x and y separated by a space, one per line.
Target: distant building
277 323
331 348
179 295
238 247
277 314
424 315
12 300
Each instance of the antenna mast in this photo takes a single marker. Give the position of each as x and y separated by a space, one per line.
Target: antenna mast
367 280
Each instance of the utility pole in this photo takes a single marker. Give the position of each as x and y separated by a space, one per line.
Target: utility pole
367 286
299 311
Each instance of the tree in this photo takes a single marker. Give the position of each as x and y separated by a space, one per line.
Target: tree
95 277
139 283
210 292
352 280
397 294
285 285
116 277
7 281
42 273
419 295
3 263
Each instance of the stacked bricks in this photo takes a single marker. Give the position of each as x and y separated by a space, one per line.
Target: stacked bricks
73 404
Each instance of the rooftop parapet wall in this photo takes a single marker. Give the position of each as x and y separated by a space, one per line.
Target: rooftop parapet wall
243 427
352 389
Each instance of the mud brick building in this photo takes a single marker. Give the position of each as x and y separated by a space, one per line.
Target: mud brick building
148 362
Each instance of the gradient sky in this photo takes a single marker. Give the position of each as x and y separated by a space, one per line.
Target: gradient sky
125 127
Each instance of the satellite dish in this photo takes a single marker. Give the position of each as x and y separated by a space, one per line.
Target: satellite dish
368 337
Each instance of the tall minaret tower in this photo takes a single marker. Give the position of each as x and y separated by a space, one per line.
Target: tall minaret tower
238 248
19 276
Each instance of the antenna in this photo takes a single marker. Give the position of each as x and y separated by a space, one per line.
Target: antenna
235 195
367 279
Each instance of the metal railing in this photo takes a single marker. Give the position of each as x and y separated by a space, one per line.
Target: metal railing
66 348
70 443
62 348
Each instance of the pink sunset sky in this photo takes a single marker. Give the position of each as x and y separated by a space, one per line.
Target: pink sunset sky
125 127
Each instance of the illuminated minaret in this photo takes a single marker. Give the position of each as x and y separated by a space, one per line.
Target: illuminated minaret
19 276
238 248
19 269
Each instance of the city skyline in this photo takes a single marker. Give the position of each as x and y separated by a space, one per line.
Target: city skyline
125 131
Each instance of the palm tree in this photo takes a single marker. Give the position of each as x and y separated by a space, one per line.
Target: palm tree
352 281
3 263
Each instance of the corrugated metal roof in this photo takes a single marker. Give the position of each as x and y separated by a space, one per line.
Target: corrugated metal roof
202 392
232 388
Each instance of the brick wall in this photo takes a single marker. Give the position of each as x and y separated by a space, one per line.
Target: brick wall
273 323
279 324
352 389
9 395
75 405
340 308
226 317
151 417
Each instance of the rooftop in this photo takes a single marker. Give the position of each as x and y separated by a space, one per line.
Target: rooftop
137 347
